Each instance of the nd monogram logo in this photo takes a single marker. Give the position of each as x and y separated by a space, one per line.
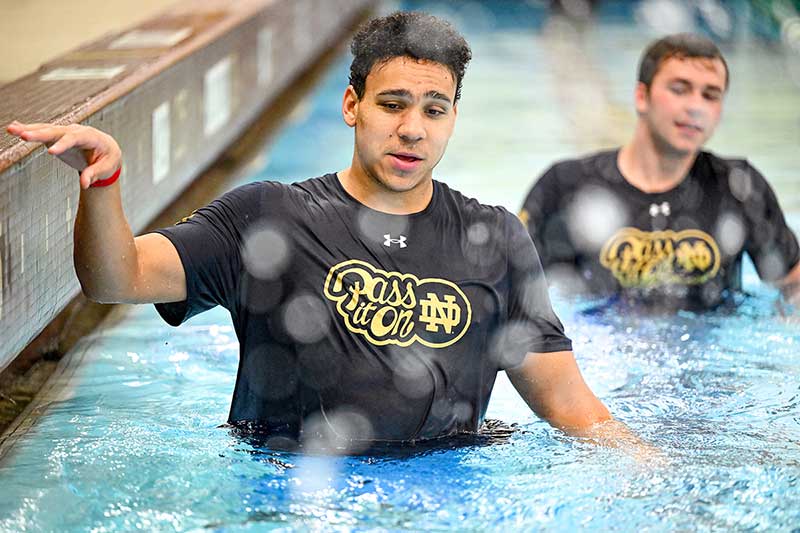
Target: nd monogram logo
394 308
435 313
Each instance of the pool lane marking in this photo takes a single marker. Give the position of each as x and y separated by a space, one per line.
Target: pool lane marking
135 39
161 138
264 54
301 30
217 95
86 73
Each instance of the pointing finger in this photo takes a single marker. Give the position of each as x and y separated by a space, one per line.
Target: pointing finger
42 135
37 125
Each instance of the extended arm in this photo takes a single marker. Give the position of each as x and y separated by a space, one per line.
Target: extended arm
112 265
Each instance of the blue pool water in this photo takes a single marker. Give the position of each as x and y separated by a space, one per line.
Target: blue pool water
128 435
132 441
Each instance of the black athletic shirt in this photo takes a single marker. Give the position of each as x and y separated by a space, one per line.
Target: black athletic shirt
680 248
403 320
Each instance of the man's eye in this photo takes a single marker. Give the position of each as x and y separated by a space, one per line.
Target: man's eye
435 112
678 89
391 105
712 97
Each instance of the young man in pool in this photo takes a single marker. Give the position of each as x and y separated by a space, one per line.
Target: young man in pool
661 221
375 296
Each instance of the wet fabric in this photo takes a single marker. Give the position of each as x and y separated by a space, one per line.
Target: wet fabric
391 327
680 248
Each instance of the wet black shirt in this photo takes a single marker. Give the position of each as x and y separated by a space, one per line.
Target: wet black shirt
398 322
679 248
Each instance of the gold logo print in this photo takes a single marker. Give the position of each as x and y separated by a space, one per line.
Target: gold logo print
643 259
184 219
524 217
394 308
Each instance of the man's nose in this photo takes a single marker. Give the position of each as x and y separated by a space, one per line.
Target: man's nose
412 127
696 105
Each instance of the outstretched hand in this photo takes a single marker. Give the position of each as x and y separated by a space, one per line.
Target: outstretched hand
96 155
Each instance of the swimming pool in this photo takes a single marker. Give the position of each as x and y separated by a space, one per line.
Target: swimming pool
128 437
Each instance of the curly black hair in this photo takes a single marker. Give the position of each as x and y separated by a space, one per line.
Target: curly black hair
681 46
407 33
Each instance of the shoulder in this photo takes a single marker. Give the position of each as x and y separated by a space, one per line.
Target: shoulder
272 195
570 173
314 192
562 180
465 205
267 198
253 193
719 167
472 211
734 174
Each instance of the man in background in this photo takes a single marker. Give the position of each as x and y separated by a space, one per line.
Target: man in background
660 220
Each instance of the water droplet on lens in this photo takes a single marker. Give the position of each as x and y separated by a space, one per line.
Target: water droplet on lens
306 318
730 233
741 184
478 234
266 253
593 217
342 431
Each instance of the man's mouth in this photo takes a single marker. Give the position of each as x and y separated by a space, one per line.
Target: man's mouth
407 157
689 126
405 162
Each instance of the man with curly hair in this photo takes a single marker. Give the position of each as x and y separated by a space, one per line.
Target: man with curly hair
374 299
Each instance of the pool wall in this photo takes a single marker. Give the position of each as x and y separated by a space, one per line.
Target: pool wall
174 91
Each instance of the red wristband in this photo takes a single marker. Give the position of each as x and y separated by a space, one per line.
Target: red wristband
108 181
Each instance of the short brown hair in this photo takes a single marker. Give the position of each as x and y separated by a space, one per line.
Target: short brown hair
680 46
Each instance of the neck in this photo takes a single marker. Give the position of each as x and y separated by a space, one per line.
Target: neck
651 166
377 195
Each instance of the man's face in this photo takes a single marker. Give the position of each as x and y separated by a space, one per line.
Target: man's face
403 122
684 103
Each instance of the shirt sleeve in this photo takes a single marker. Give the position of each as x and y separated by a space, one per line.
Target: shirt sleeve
771 244
209 243
532 325
546 222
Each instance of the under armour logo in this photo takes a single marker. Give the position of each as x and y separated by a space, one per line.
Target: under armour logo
664 209
389 241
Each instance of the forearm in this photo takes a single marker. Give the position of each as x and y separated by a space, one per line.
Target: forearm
552 386
583 415
104 249
588 418
575 415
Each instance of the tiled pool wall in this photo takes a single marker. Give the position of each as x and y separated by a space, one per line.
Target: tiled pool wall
175 92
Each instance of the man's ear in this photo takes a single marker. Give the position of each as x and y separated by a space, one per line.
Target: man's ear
641 98
350 106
